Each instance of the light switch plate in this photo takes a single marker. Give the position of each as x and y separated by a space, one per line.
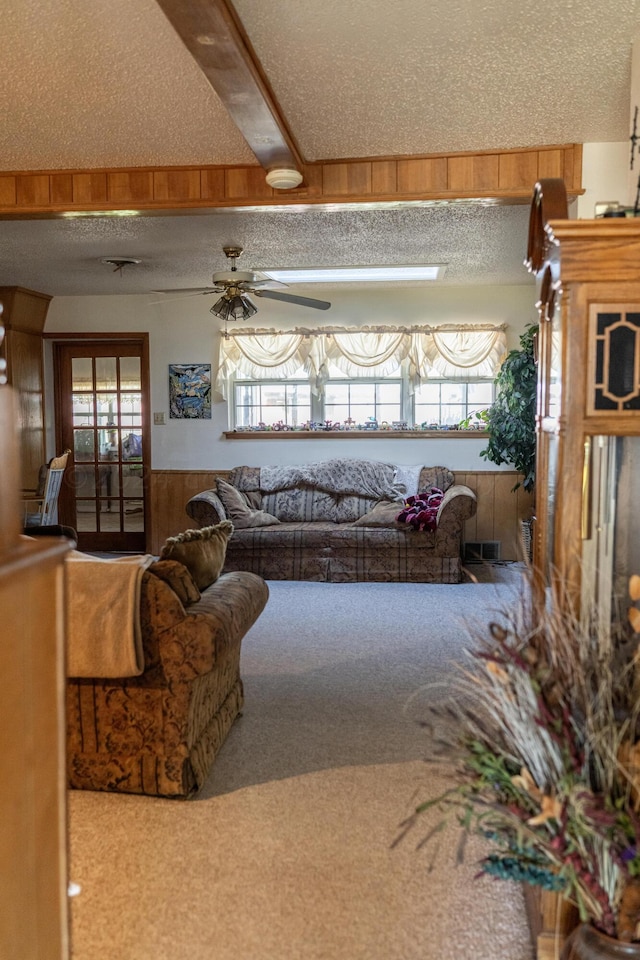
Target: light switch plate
158 419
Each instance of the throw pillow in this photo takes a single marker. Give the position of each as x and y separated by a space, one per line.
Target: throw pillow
201 551
240 509
178 578
384 514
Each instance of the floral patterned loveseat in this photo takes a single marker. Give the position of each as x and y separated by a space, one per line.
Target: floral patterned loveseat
336 521
158 733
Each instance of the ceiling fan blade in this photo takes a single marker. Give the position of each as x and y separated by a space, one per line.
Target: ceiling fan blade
189 291
291 298
187 296
273 284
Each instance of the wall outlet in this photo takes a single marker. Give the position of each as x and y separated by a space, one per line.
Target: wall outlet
158 419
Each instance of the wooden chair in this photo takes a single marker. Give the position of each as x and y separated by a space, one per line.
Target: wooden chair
42 511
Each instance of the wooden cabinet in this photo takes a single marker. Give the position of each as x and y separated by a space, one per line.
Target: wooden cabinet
587 473
587 540
23 318
33 829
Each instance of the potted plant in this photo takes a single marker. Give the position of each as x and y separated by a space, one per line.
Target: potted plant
510 420
542 730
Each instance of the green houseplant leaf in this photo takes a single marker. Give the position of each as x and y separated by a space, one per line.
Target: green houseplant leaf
511 418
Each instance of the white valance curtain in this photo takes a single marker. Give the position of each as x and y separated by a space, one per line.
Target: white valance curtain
463 351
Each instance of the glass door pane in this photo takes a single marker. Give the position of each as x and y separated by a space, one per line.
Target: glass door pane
104 418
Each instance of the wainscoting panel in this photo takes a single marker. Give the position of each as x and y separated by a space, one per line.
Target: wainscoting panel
500 510
498 517
169 492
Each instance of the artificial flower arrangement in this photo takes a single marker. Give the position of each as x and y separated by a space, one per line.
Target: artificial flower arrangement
543 729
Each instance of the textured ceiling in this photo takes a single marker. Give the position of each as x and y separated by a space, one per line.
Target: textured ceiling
477 245
374 77
86 83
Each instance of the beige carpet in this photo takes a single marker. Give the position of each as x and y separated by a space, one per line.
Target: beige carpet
287 854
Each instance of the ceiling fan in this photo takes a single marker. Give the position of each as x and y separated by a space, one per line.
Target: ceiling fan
234 285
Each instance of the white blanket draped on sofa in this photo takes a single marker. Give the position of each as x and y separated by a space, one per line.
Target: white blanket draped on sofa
362 477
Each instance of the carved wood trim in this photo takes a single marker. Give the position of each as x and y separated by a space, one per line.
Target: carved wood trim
549 202
504 176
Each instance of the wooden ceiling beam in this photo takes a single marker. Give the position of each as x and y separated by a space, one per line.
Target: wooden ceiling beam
215 37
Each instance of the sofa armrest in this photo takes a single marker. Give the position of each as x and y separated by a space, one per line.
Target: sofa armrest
206 508
458 504
181 644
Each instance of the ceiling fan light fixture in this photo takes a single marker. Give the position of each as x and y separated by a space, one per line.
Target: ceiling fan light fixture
284 178
233 308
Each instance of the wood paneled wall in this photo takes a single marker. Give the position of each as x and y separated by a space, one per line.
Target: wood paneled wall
507 175
169 492
498 517
500 509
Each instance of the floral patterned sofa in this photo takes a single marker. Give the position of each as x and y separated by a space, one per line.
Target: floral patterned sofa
158 733
336 521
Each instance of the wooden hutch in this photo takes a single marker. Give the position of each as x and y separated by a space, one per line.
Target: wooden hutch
586 541
33 828
588 424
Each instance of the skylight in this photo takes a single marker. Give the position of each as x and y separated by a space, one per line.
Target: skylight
357 274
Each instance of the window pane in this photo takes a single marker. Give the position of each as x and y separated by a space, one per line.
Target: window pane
428 413
247 393
109 480
452 413
133 515
81 373
298 415
107 406
272 415
86 515
273 393
389 392
106 376
83 479
244 417
336 412
428 393
83 419
362 393
453 392
109 444
130 373
83 448
389 412
131 409
337 393
480 393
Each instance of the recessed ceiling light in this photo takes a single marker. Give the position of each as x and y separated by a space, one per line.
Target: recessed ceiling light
357 274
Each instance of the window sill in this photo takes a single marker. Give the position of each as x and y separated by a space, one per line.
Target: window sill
354 434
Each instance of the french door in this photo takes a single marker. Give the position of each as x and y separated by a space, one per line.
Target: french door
102 416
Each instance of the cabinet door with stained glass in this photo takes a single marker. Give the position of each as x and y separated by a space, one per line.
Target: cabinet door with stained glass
101 415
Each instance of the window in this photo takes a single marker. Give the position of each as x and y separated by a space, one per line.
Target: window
262 401
360 375
360 401
290 401
447 402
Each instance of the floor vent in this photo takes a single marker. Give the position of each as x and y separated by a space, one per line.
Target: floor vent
478 550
